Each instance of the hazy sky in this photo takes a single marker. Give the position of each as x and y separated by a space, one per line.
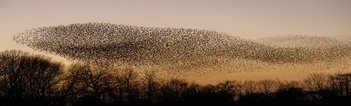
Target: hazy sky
246 18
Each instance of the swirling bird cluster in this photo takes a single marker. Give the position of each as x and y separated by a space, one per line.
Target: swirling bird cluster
107 42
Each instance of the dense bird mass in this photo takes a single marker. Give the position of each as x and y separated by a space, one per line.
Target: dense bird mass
300 41
110 43
183 53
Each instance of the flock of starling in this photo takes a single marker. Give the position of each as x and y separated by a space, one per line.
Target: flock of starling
301 41
109 43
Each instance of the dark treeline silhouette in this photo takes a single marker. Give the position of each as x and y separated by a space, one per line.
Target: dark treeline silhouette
27 79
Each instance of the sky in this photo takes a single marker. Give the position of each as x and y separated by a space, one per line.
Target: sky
244 18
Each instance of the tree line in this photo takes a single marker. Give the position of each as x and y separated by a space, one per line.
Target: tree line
27 79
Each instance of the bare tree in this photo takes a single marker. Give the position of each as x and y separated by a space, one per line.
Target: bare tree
248 87
127 85
341 84
151 87
267 86
27 77
85 80
227 91
316 82
228 86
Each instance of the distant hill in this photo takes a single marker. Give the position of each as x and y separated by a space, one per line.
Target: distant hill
151 45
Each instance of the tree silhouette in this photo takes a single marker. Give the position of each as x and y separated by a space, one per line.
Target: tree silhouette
152 86
341 83
227 90
28 78
316 82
